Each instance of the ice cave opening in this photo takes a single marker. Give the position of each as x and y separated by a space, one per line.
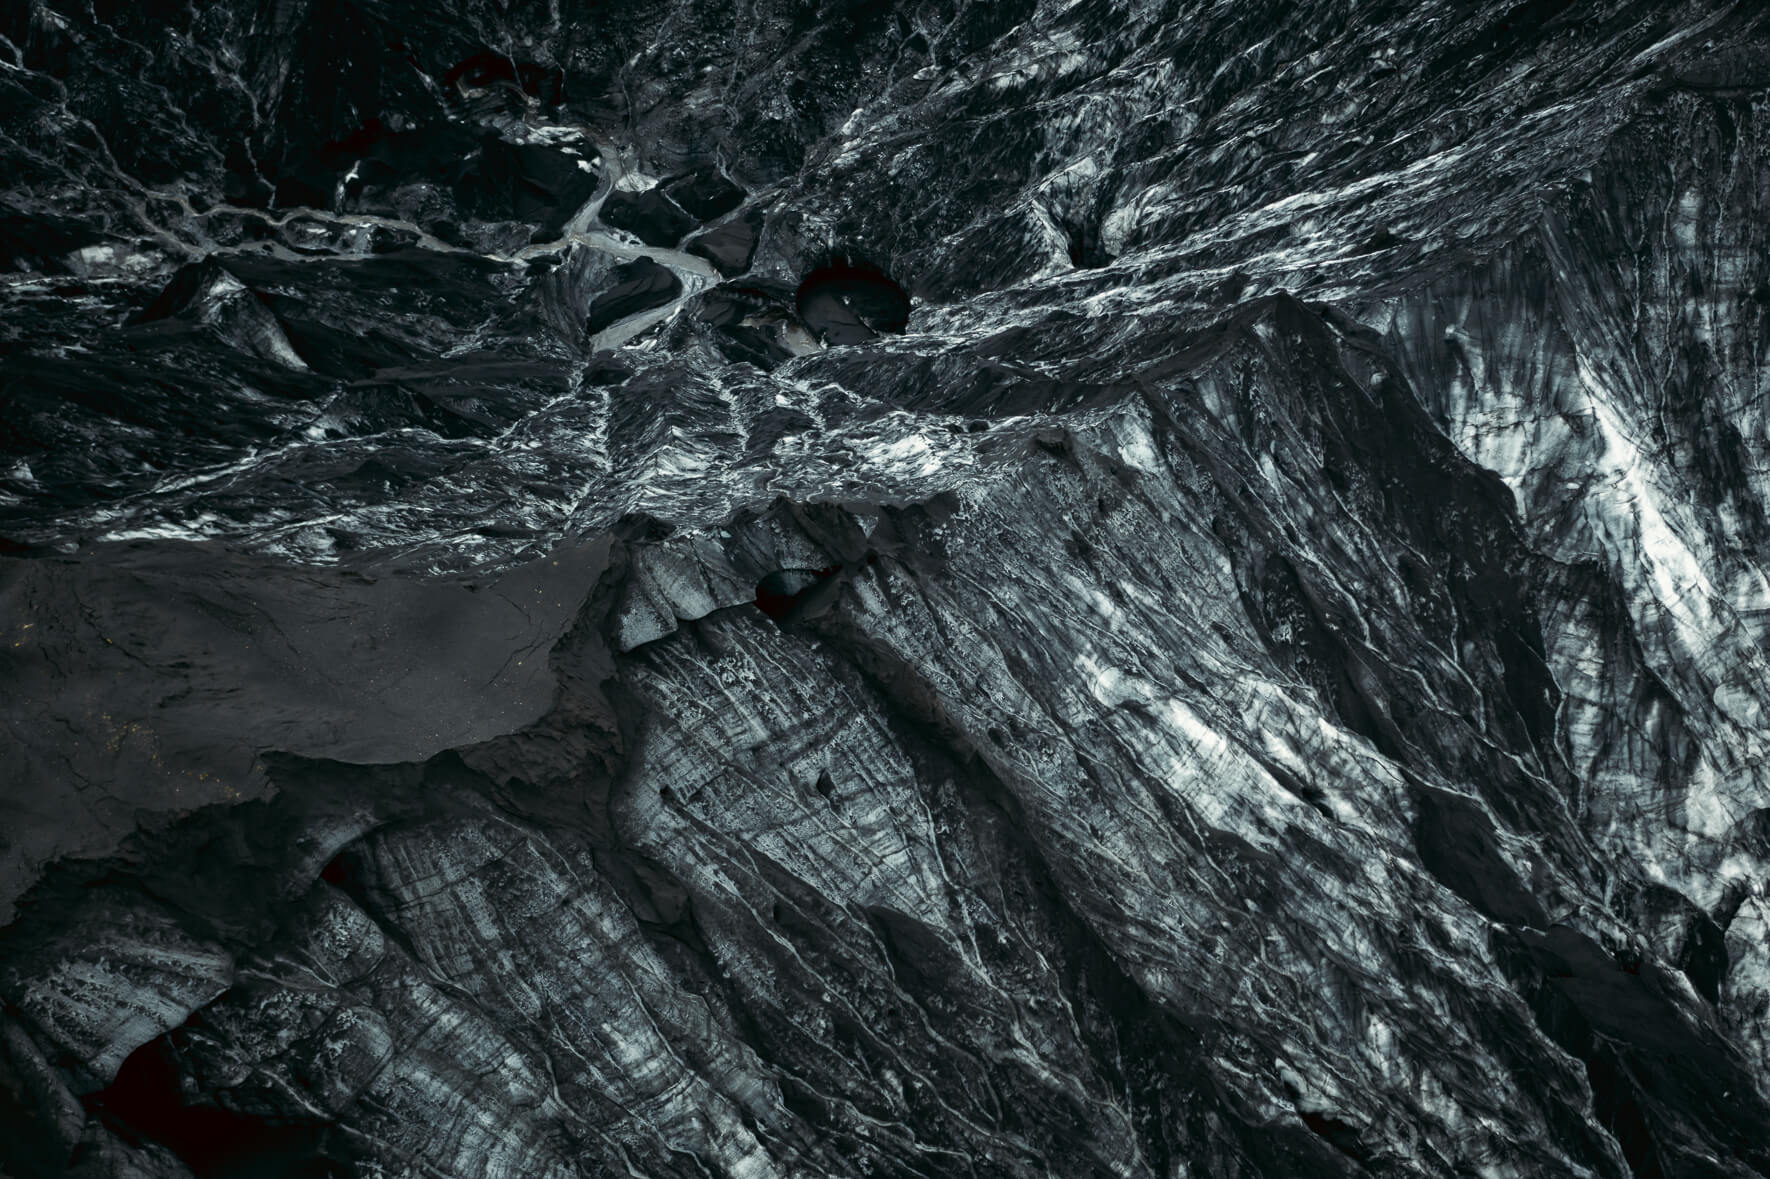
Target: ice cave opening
849 301
781 592
145 1103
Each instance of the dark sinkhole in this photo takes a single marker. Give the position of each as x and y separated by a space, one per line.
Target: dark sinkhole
145 1103
782 591
337 872
849 301
1342 1136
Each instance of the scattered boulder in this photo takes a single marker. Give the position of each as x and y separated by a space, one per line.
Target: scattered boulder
729 247
705 195
650 216
640 285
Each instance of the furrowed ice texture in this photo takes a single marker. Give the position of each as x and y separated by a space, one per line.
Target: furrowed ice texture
919 589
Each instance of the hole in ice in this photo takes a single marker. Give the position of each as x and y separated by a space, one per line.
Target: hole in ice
848 301
146 1103
337 872
1342 1136
778 594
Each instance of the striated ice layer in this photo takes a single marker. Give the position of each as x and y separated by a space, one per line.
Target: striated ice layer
1262 676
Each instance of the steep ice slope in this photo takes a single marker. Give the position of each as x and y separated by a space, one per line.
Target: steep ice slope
1623 404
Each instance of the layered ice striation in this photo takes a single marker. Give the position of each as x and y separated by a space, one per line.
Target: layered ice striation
992 589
